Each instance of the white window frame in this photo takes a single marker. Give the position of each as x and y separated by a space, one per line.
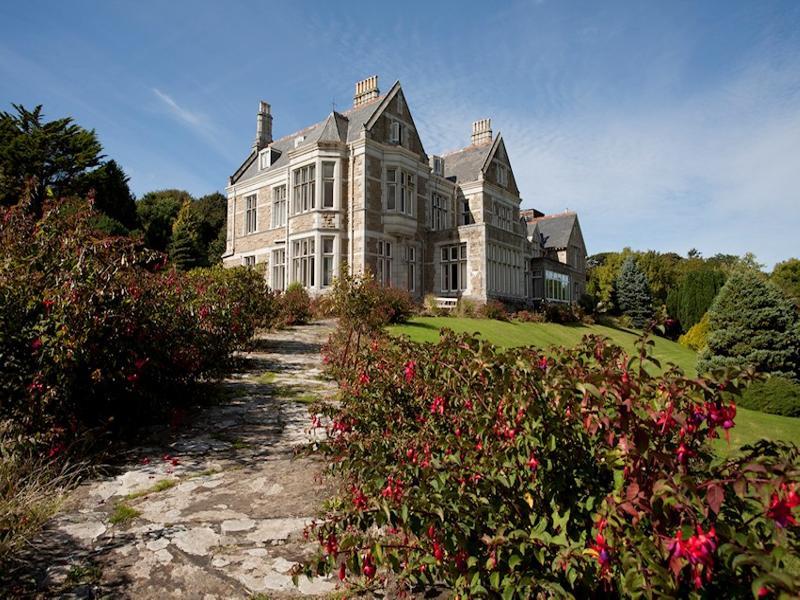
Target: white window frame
279 206
303 261
411 264
396 133
502 174
328 261
383 271
328 184
304 184
557 287
249 261
278 269
251 213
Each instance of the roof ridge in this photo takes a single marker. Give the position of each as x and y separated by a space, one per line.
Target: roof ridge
464 149
566 213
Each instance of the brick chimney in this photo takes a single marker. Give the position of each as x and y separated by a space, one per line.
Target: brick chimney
366 90
482 132
263 126
529 214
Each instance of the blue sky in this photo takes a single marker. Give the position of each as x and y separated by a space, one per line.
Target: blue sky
666 125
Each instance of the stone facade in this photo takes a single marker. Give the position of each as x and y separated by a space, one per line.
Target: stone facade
359 189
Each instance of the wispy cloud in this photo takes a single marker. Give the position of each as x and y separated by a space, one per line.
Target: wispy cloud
185 115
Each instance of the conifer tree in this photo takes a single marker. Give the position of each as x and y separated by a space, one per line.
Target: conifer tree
752 323
633 293
184 249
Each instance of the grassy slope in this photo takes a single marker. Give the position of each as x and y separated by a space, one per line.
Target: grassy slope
750 425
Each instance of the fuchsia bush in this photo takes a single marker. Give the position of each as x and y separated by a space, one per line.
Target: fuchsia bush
570 472
94 328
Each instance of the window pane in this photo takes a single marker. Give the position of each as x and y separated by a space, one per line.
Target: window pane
327 201
327 170
327 245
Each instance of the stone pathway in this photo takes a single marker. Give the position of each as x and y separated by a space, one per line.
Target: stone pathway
216 513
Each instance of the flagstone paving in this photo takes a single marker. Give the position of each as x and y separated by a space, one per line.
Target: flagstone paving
215 512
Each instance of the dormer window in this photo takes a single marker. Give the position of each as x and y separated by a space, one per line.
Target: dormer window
502 175
264 159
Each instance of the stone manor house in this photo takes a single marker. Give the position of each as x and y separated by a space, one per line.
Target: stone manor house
358 187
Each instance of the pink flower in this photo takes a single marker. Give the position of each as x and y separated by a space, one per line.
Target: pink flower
409 370
698 550
533 464
363 379
36 344
360 501
437 406
781 505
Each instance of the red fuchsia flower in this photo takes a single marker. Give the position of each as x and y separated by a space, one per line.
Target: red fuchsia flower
342 571
603 551
360 501
438 552
203 312
325 360
533 464
331 545
37 387
133 377
543 363
363 379
409 370
698 550
781 505
36 344
468 404
342 426
368 567
683 453
145 461
393 489
437 406
315 422
140 362
665 420
48 304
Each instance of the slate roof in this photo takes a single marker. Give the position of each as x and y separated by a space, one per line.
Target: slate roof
554 229
341 127
465 164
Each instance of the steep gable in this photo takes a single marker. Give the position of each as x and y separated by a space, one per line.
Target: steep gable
498 158
392 110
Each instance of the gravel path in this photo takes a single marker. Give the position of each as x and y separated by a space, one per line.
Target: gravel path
218 510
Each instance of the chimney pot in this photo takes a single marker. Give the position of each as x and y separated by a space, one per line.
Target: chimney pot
482 131
366 90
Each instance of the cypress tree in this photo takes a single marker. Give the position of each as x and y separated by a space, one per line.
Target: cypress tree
694 296
633 293
752 323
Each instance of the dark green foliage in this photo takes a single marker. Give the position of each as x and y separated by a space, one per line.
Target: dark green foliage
494 309
184 248
212 214
157 212
752 323
633 293
786 276
54 153
112 196
776 395
693 297
193 231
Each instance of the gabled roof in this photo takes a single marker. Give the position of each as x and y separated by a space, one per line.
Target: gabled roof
554 230
466 164
336 127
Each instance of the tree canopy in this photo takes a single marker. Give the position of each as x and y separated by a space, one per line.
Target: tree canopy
786 275
52 155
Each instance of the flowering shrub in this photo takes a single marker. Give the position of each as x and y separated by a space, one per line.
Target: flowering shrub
571 472
494 309
294 305
365 305
93 328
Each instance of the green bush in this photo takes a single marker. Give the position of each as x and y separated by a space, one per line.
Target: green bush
697 336
92 328
529 316
395 303
567 473
561 313
294 305
466 308
776 395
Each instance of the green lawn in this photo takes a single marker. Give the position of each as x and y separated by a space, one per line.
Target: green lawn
511 334
750 425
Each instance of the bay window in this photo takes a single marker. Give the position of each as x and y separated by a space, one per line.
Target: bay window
303 261
556 286
328 181
303 198
327 261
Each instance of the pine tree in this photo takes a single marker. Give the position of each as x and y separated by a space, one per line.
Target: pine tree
184 249
633 293
752 323
693 297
